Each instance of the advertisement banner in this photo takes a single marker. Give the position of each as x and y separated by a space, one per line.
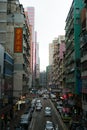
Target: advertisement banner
18 39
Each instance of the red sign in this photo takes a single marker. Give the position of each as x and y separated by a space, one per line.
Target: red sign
18 40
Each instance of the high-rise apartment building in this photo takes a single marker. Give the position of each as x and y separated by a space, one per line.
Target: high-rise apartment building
72 56
51 51
53 56
1 68
14 36
83 48
43 79
37 61
30 12
59 50
52 47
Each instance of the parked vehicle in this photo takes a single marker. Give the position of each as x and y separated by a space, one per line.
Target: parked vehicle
53 97
33 101
18 127
38 108
59 106
25 119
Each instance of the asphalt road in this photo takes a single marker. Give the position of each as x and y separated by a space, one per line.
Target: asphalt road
39 119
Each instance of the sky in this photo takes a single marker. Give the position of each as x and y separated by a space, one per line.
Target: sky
50 17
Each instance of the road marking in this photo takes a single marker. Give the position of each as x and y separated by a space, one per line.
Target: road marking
32 121
57 128
30 126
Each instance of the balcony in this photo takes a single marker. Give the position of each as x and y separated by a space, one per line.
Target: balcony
83 40
26 59
84 58
84 66
71 80
25 77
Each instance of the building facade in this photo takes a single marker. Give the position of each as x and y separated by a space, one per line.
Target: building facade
30 11
58 65
72 56
13 25
43 79
83 48
1 68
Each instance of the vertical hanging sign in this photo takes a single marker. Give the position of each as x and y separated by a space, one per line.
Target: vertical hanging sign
18 39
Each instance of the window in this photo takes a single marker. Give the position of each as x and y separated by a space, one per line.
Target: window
85 97
84 66
77 10
77 20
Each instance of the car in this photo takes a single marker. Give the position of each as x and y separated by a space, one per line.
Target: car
38 101
48 111
18 127
39 104
25 119
33 101
32 108
49 125
45 96
53 97
59 108
38 108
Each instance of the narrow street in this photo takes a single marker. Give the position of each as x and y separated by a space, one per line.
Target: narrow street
43 55
39 119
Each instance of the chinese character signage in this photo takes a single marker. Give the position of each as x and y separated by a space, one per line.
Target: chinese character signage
18 40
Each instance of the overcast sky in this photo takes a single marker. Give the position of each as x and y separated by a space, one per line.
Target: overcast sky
50 16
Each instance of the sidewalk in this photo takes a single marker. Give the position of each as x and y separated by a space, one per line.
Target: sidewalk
15 121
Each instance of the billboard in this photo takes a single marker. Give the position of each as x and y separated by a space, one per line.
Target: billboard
18 39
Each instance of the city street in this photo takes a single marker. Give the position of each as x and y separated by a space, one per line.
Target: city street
39 119
43 65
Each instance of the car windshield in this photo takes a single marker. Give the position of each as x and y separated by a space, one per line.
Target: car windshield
47 108
49 124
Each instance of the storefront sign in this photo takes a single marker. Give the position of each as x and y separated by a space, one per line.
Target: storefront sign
18 38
